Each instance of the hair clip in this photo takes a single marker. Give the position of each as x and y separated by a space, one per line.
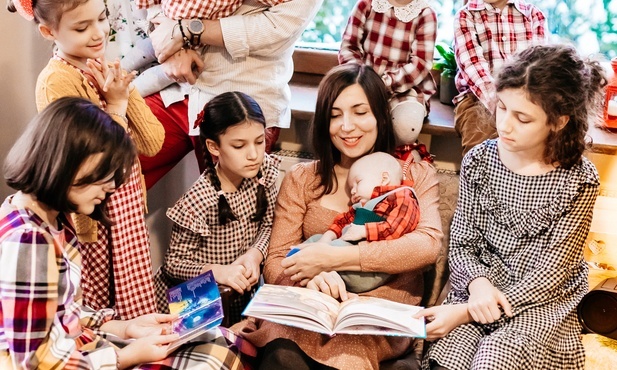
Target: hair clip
220 192
25 9
200 118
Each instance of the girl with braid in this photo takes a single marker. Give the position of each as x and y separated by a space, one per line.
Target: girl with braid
223 222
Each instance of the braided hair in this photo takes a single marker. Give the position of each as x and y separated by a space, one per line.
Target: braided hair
223 111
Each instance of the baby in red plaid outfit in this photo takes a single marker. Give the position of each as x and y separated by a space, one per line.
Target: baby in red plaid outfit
154 79
384 207
396 38
486 34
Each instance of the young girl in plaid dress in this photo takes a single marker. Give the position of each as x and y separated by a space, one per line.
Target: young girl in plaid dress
70 159
525 207
224 221
117 270
396 38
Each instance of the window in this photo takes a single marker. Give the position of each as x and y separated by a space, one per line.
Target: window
590 25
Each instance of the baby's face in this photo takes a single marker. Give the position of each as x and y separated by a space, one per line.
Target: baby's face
362 181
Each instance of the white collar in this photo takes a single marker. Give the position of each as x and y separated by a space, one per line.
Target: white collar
403 13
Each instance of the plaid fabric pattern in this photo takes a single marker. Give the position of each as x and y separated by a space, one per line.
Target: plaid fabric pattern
33 337
400 52
188 9
400 210
526 235
198 239
485 37
133 280
40 326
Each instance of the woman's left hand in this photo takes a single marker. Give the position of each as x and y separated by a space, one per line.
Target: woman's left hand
312 259
147 325
330 283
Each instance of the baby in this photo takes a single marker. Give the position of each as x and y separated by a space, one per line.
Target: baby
384 207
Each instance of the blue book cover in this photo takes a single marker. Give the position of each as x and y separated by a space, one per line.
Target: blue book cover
198 305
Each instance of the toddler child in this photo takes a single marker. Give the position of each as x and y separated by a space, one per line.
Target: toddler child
395 38
486 34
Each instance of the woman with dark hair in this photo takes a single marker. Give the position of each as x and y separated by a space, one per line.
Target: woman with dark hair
71 158
223 222
352 119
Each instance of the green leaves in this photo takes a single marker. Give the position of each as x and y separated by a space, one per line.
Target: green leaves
446 64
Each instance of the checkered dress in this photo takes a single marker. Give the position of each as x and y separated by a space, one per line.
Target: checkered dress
485 37
401 52
198 239
526 235
132 280
188 9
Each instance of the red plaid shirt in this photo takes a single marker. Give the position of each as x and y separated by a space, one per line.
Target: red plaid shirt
400 52
188 9
400 210
484 37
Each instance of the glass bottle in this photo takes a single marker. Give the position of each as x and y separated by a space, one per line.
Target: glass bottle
610 104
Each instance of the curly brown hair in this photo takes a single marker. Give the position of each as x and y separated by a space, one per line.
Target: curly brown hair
558 80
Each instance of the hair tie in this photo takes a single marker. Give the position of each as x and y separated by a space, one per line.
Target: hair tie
261 181
24 8
200 118
220 192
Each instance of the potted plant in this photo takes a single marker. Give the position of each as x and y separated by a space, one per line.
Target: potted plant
446 65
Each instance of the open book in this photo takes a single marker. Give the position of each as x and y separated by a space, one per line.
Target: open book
312 310
198 304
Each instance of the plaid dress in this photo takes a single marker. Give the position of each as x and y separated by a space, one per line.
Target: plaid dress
44 325
526 235
188 9
198 239
397 42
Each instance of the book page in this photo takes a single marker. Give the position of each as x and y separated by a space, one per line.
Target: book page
294 306
370 315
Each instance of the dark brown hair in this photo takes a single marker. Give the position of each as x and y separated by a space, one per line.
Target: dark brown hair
47 157
333 83
49 12
562 84
223 111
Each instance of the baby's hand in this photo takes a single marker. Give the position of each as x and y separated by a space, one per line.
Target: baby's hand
354 232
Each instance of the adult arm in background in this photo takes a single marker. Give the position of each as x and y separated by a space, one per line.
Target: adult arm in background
254 30
413 251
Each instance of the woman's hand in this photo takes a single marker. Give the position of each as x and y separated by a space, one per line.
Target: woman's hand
166 37
485 301
251 260
312 259
330 283
232 276
184 66
143 350
147 325
440 320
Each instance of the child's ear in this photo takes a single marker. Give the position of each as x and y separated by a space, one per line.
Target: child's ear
46 32
385 178
212 147
562 122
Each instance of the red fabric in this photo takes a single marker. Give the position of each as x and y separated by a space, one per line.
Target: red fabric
178 143
402 152
132 263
